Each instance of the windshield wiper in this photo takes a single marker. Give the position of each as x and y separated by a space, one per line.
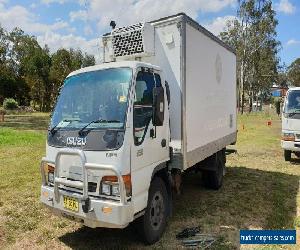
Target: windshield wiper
80 132
292 114
54 129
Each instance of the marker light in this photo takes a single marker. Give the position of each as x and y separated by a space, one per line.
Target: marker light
288 136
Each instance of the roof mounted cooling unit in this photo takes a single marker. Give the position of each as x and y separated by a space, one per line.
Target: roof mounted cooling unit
133 41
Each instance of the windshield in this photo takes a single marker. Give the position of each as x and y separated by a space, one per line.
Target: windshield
292 104
93 96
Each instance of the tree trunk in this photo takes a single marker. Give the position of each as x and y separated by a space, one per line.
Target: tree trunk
257 101
243 100
250 100
242 88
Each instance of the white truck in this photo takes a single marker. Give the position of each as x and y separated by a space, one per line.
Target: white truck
163 101
290 140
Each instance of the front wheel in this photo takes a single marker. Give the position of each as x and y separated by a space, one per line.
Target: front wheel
153 223
287 155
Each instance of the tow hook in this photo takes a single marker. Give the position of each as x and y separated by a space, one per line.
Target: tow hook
86 205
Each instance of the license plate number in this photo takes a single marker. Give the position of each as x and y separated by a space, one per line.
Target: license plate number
71 204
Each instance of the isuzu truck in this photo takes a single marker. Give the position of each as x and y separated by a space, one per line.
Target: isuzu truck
290 140
122 132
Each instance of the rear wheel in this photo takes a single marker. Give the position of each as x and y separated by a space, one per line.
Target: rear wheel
287 155
153 223
214 178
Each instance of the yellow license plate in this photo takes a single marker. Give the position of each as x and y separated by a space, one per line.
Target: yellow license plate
71 204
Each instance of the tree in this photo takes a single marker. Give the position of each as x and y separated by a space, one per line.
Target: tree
253 35
60 68
3 47
282 77
88 60
37 70
63 63
10 85
80 60
32 65
29 73
294 73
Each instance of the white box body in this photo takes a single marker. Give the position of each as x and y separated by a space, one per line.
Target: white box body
201 73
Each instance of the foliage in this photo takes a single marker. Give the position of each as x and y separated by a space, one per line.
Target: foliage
253 35
65 61
294 73
2 111
282 77
10 104
30 73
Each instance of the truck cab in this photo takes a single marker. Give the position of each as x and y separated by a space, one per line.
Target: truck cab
290 140
102 145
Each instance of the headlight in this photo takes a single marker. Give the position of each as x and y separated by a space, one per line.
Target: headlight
105 189
288 136
115 190
51 177
110 189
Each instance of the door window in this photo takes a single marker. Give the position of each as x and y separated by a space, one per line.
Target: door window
143 109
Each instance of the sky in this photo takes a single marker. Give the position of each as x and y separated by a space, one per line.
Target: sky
80 23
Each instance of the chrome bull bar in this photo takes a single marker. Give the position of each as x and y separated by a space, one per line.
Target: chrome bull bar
80 184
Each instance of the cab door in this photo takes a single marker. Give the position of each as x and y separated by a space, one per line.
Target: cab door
151 143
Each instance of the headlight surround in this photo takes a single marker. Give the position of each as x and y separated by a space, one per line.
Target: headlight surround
49 173
287 136
110 185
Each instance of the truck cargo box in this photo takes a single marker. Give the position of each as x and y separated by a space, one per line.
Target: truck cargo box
201 72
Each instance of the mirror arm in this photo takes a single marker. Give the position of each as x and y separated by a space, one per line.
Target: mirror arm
153 118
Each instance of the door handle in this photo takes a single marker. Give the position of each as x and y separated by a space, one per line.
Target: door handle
163 143
152 133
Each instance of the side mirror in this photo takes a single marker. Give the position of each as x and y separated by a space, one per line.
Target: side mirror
158 106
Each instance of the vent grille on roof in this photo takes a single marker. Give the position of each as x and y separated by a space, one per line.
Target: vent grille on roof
128 40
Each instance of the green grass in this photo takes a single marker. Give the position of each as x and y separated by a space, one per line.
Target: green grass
260 191
34 121
10 137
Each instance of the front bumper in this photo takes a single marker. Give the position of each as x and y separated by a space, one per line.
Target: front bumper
120 215
293 146
93 211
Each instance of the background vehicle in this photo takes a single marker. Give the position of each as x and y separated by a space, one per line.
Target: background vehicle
164 101
290 141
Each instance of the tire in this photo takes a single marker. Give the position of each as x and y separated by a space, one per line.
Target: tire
153 223
287 155
213 179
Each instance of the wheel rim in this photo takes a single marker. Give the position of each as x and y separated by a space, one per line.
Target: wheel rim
157 210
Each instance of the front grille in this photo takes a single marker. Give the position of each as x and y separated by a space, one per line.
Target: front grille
92 187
